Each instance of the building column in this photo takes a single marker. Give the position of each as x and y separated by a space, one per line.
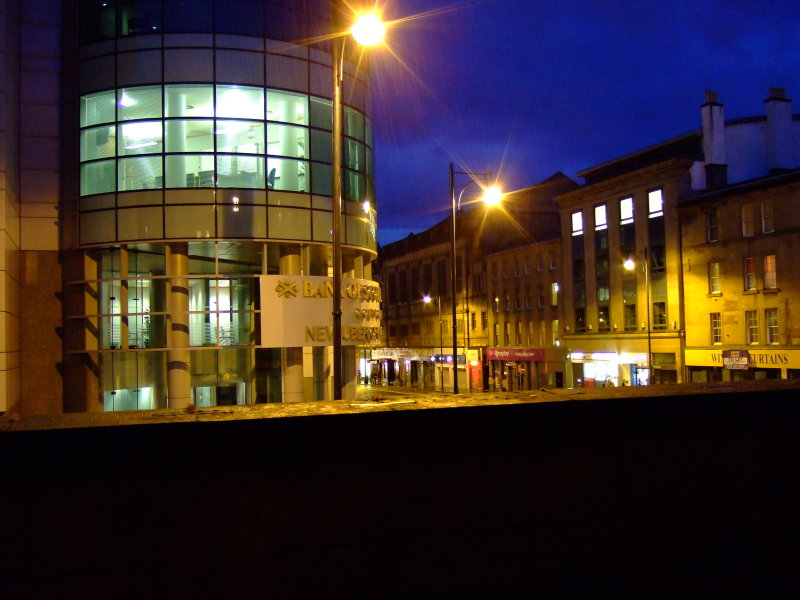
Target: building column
179 387
321 380
291 358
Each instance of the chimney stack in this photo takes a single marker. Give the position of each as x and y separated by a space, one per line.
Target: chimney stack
714 141
780 142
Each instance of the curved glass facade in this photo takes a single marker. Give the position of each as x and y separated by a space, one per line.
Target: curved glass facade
203 162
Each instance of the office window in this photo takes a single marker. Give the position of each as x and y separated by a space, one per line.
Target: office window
747 220
539 262
771 319
770 273
553 260
655 203
505 269
496 304
527 265
751 322
496 334
516 268
767 220
659 316
602 319
484 320
506 301
626 210
554 332
474 320
528 303
629 314
749 274
577 223
517 300
507 333
713 278
580 320
716 328
600 221
519 333
711 225
554 294
494 271
540 292
530 333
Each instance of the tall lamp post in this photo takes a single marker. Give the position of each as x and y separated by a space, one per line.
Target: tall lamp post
367 31
630 265
427 300
491 197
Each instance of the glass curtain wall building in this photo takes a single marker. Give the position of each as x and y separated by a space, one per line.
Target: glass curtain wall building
200 136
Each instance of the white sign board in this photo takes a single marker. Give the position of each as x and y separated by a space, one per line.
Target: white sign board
297 311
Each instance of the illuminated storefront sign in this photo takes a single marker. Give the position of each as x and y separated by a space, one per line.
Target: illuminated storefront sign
762 359
523 354
296 311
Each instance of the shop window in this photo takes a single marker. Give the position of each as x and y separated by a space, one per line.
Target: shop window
716 327
771 320
751 324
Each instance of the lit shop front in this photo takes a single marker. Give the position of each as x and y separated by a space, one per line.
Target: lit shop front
518 369
705 365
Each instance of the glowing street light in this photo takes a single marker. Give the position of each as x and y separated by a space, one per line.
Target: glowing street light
368 31
492 196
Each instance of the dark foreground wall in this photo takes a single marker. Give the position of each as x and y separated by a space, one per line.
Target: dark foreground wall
669 496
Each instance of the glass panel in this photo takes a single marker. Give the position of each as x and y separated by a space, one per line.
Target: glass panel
287 107
98 142
140 173
98 177
288 175
189 101
143 137
242 221
323 223
190 135
354 186
321 113
189 221
289 223
284 140
96 227
190 171
139 17
368 132
97 108
240 17
240 136
354 157
187 15
139 103
240 171
321 146
242 102
322 179
140 223
353 123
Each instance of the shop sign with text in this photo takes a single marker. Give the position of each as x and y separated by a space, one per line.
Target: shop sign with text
297 311
530 354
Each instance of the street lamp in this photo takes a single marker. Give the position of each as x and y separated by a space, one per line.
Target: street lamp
427 300
630 265
492 196
367 31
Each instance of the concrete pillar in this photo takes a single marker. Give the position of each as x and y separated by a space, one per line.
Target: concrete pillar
291 358
179 387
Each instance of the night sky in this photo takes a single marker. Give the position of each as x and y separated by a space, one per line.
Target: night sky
526 88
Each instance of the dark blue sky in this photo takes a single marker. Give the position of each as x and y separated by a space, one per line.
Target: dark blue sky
530 87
